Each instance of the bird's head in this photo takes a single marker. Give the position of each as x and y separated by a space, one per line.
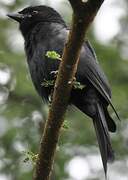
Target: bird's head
32 15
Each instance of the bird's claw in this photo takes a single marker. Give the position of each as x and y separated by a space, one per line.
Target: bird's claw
54 73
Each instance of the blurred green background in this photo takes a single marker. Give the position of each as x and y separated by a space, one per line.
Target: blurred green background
22 112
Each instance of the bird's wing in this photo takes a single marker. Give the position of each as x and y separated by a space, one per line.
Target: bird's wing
89 46
89 68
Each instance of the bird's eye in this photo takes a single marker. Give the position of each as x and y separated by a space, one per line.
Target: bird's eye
34 12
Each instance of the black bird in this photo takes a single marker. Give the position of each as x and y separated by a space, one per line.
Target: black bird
44 30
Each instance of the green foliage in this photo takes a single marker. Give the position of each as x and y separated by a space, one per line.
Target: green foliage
48 83
53 55
30 157
78 85
65 125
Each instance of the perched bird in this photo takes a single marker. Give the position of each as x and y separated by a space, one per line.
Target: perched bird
44 30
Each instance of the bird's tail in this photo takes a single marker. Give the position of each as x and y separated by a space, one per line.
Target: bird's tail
102 133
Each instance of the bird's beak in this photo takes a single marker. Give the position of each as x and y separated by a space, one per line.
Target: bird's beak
16 16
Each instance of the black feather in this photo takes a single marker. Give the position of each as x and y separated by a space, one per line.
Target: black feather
101 128
45 30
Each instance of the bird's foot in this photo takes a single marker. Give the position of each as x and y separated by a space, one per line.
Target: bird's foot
54 73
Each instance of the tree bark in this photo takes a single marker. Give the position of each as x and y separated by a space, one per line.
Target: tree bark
83 14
